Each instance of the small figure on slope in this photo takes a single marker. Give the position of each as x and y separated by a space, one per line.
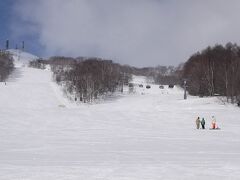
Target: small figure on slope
203 123
198 122
214 124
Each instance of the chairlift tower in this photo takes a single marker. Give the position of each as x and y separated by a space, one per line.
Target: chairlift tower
23 45
7 44
185 88
18 54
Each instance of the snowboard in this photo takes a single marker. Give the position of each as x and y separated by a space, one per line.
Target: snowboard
215 128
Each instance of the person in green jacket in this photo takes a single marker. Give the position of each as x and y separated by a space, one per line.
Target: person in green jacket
203 123
198 122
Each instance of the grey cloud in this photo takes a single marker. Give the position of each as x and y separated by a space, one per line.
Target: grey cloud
135 32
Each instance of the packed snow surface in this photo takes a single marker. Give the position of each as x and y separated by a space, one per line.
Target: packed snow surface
147 135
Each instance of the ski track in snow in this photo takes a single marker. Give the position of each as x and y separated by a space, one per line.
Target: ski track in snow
147 135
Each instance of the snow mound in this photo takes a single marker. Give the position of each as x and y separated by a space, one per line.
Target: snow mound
22 58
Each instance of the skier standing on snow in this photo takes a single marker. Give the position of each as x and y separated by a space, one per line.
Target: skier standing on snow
203 123
198 122
214 125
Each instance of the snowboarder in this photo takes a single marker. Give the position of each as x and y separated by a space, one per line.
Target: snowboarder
198 122
203 123
214 124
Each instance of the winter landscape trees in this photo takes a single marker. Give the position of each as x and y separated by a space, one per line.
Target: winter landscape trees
39 64
86 79
167 75
6 65
92 78
214 71
89 78
160 74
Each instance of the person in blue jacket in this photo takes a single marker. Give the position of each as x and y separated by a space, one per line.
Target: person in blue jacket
203 123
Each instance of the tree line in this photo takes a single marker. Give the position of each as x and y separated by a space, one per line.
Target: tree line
167 75
160 74
86 79
214 71
6 65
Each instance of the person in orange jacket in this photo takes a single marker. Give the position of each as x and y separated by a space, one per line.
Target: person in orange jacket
214 124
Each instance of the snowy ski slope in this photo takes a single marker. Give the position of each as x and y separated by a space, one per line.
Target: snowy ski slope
149 135
21 58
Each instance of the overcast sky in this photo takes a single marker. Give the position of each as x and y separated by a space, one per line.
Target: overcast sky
134 32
